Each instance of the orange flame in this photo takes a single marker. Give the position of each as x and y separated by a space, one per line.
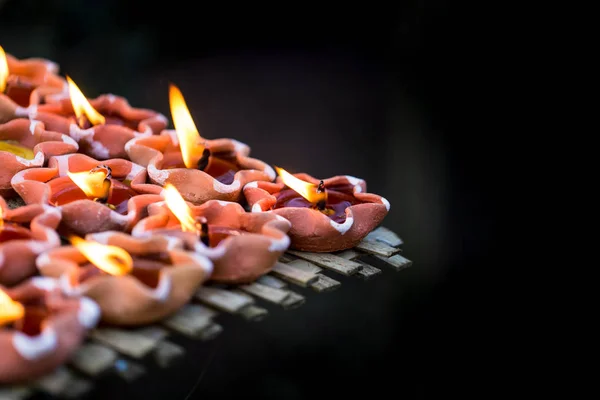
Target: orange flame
82 106
10 310
305 189
1 218
110 259
3 70
179 207
93 183
190 140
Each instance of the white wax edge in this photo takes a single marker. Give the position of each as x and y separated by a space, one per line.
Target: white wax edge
280 245
343 227
89 313
34 347
45 283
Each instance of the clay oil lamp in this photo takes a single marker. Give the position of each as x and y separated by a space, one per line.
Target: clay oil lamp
242 245
26 144
134 280
200 169
25 84
25 232
40 328
93 195
101 126
326 215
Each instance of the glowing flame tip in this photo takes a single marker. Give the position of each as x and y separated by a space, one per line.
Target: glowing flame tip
3 70
10 310
305 189
180 209
190 140
93 183
81 106
110 259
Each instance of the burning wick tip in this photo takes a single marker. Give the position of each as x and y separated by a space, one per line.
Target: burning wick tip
321 187
104 167
202 226
321 204
107 184
203 161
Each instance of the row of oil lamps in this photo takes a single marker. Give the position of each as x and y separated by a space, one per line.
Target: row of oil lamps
150 214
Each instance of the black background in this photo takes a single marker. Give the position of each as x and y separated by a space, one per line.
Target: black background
396 94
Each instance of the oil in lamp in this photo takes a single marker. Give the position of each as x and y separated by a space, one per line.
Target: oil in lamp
134 280
326 215
27 144
101 126
25 84
25 232
93 195
40 328
243 246
199 168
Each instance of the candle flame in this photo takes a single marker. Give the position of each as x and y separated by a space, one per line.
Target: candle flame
3 70
10 310
94 183
1 218
305 189
182 211
110 259
190 140
82 106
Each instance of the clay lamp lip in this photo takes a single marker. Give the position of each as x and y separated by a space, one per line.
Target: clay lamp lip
124 299
150 151
105 140
360 219
31 134
26 357
39 72
17 257
263 243
83 215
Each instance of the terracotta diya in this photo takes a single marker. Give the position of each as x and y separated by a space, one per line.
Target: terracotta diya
101 126
242 246
40 328
200 169
25 232
326 215
134 280
93 195
26 83
26 144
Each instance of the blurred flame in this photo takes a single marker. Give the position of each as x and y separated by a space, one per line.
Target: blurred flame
10 310
110 259
3 70
82 106
1 220
93 183
179 207
190 140
305 189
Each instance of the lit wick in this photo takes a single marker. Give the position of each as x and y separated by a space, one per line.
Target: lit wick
82 107
96 183
323 202
193 151
106 184
203 230
315 194
184 214
203 161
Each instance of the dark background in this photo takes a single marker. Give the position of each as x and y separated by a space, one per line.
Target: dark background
393 94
